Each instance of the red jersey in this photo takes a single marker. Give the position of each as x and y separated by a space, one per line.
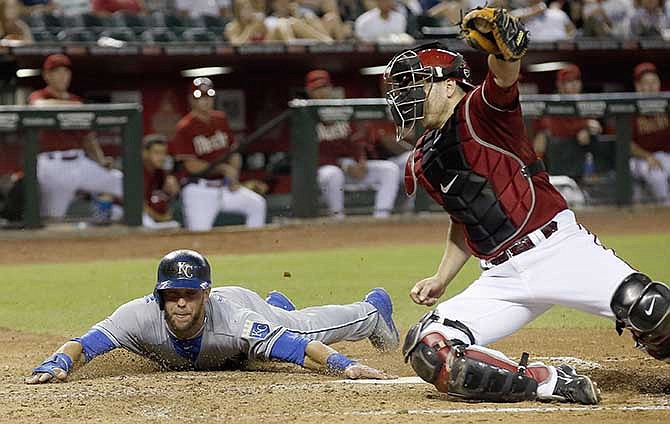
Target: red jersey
376 131
155 198
652 132
112 6
207 141
335 142
52 140
482 169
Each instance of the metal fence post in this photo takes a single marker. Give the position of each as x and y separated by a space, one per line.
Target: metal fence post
133 176
304 161
31 190
624 182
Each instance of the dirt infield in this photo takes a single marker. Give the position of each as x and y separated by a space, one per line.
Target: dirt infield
125 388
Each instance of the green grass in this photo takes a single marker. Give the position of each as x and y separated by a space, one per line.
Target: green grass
66 299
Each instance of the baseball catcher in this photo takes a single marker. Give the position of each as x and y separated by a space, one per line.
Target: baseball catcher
475 160
186 324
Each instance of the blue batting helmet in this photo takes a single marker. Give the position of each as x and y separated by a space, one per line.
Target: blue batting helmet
182 269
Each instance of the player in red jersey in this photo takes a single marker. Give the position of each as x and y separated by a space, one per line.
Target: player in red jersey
160 187
651 138
69 161
204 136
342 159
477 162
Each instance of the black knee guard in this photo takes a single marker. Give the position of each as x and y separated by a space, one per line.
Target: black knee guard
643 306
468 372
471 373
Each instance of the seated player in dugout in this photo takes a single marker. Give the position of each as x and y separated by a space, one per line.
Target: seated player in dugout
204 146
70 161
532 252
188 325
160 187
343 161
650 148
571 135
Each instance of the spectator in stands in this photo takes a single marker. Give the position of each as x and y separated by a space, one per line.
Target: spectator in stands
246 26
70 161
548 23
288 22
649 20
159 186
651 138
333 23
342 158
203 138
107 7
382 24
607 18
563 141
13 30
195 8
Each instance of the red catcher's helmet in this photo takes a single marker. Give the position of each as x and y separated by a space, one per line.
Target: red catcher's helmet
202 87
406 75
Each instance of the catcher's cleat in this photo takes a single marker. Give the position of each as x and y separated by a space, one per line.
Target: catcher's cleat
575 388
385 336
279 300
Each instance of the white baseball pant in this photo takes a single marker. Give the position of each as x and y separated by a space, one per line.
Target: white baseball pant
203 200
382 177
62 173
656 179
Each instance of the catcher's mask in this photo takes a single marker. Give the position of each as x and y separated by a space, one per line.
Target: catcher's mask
406 76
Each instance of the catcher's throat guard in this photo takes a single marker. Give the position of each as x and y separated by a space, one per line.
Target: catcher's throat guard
408 76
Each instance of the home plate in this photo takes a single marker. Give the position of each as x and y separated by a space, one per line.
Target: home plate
401 380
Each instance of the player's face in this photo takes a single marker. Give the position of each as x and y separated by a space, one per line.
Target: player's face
204 104
325 92
570 87
59 78
185 310
649 82
156 155
436 107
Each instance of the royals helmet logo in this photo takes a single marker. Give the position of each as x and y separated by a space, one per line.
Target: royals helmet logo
185 269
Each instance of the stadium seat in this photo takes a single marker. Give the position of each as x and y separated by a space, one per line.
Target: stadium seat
123 34
137 23
95 23
214 24
174 23
199 35
43 36
158 35
77 35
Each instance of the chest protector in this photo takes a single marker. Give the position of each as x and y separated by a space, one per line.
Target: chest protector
493 203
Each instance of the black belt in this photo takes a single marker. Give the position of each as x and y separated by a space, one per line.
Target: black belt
523 245
70 156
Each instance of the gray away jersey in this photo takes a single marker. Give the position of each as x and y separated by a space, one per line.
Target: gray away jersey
239 325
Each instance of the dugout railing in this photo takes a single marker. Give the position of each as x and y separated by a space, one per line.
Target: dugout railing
29 120
621 107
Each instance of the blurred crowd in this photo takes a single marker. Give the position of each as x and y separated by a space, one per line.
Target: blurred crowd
251 21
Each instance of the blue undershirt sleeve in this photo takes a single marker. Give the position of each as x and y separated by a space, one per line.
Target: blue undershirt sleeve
290 347
95 343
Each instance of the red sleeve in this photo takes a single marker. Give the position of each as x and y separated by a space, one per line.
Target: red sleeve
499 98
99 6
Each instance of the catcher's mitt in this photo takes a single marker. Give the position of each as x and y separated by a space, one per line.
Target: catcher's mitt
496 32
